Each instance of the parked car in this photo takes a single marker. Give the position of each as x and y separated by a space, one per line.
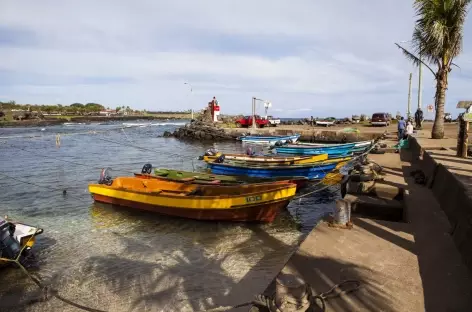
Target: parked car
246 121
380 119
447 117
273 122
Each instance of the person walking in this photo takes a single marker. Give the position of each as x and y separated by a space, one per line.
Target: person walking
401 128
418 118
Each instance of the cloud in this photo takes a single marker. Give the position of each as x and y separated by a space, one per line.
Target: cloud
332 58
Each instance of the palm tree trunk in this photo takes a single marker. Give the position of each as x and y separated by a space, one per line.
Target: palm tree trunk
441 86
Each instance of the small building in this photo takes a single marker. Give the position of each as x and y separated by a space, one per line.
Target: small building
108 112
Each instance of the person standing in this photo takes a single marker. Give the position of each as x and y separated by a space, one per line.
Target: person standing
418 118
311 121
401 128
409 128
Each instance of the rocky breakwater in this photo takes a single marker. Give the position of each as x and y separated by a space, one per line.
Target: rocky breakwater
200 130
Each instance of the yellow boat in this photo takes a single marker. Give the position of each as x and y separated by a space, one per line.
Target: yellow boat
251 202
14 236
270 160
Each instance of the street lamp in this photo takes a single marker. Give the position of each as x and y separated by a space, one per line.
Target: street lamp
191 89
254 99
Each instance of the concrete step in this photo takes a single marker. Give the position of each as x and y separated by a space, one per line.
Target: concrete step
376 208
377 189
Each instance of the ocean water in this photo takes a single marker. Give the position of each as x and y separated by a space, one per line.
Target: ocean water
116 259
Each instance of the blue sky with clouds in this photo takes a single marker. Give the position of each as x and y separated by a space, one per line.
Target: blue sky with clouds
308 57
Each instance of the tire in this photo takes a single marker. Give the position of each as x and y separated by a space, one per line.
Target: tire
377 151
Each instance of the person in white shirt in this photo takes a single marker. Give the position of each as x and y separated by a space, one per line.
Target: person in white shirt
409 128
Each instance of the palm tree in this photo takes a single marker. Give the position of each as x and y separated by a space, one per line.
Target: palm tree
437 39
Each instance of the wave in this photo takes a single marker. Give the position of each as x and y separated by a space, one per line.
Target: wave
142 125
169 124
73 123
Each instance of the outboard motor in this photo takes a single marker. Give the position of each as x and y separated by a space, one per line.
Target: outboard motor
147 169
220 159
211 152
105 177
289 141
9 246
279 143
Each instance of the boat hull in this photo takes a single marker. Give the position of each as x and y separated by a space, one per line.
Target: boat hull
266 212
332 151
252 202
358 146
313 172
269 160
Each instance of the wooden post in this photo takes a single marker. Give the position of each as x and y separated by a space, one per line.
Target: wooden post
463 138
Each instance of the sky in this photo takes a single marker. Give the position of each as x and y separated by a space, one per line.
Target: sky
307 57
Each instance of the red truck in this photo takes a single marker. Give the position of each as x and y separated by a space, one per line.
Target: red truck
246 121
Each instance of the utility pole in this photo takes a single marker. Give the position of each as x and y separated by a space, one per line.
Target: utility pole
420 78
409 98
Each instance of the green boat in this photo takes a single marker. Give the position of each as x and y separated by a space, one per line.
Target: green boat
208 178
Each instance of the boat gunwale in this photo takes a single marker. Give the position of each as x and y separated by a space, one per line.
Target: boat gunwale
282 185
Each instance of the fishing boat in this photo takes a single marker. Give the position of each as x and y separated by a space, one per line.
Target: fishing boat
16 237
272 160
269 140
310 171
358 146
251 202
340 150
211 179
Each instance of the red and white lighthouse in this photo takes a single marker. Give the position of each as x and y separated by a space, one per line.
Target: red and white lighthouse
215 109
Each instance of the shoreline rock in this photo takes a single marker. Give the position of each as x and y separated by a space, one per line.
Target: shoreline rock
200 130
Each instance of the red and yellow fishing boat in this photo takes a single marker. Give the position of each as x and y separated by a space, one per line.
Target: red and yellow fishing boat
250 202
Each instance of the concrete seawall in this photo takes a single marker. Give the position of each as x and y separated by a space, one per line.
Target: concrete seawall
335 135
448 178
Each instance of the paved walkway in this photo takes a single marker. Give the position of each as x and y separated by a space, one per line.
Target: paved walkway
411 266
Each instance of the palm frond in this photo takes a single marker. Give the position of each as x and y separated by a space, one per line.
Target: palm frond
439 28
414 59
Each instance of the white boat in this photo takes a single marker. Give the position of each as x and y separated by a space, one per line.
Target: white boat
325 123
269 140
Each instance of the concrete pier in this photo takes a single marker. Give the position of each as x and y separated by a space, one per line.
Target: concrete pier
418 264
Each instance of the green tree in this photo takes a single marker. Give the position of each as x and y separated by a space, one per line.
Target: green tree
437 38
117 109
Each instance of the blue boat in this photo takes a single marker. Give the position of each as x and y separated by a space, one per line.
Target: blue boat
335 151
312 172
269 140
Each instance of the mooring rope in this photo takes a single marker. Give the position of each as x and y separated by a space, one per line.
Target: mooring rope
46 290
314 299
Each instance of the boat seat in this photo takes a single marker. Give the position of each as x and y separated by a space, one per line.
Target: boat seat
188 179
215 182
